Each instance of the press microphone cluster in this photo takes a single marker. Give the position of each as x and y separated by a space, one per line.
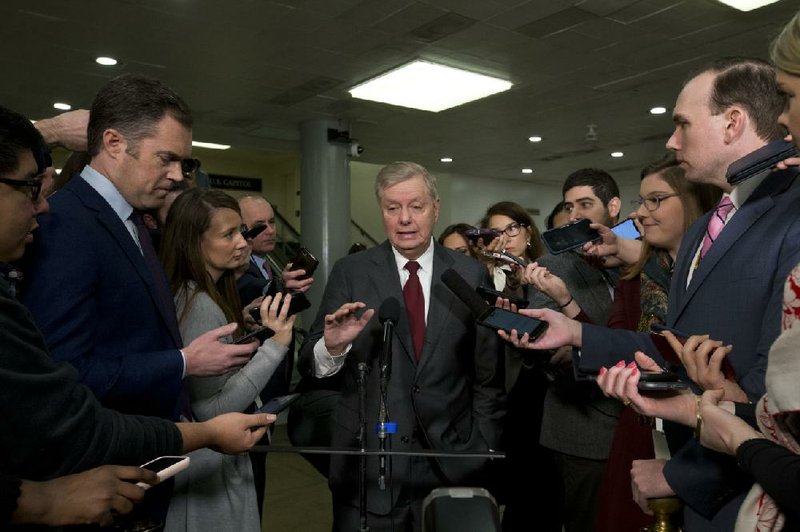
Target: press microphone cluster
464 292
388 315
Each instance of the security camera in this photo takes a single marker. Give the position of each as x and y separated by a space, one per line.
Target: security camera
354 149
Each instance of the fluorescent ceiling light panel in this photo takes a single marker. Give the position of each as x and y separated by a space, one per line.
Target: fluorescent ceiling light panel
429 87
658 110
747 5
535 138
62 106
106 61
446 159
210 145
527 170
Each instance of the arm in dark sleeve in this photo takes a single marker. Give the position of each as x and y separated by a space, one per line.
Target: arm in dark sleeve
52 425
776 469
9 493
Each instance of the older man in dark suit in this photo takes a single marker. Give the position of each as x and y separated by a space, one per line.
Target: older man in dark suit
728 284
445 391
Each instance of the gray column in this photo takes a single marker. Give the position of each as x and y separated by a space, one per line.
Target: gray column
324 200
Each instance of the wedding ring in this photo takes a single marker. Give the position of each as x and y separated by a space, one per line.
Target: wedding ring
626 402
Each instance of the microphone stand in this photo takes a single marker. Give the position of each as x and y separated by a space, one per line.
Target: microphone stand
362 438
385 429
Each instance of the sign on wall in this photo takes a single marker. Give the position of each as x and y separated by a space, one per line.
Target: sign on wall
231 182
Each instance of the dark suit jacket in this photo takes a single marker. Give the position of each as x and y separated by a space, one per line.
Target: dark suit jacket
735 296
93 298
251 284
453 398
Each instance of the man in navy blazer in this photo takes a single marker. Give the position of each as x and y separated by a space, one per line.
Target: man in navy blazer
733 293
99 302
446 389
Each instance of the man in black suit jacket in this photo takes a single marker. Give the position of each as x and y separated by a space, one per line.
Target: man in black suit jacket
445 392
734 293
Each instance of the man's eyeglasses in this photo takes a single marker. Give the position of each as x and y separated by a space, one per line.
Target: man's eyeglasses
512 229
189 166
651 203
34 186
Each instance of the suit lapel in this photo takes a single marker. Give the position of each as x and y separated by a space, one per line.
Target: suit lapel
441 299
386 283
107 218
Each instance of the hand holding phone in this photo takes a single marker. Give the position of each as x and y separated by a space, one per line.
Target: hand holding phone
627 229
570 236
304 260
505 320
278 404
490 295
165 467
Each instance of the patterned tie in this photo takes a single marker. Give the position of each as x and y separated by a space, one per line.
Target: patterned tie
415 306
716 223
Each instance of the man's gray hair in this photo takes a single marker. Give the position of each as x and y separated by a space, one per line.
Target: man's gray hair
400 171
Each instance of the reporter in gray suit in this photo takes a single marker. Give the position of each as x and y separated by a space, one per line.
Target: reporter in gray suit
446 391
733 293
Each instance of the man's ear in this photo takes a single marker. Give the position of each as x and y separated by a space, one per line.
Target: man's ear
736 123
614 206
114 143
436 211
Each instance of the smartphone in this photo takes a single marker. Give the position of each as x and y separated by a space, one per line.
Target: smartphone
662 386
250 234
570 236
668 354
165 467
279 404
299 303
505 256
491 295
505 320
304 261
627 229
486 233
260 334
659 376
762 159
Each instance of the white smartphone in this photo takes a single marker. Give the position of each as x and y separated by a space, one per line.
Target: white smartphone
165 467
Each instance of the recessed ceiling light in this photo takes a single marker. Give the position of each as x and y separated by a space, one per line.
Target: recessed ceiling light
58 170
210 145
617 154
527 170
658 110
428 86
106 61
446 159
62 106
747 5
535 139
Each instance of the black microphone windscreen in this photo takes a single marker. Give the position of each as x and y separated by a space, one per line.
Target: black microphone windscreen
389 311
464 292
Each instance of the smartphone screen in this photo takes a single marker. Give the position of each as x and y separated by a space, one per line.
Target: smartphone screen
626 229
570 236
279 404
505 320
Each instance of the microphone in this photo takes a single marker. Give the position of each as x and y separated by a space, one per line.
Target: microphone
388 315
464 292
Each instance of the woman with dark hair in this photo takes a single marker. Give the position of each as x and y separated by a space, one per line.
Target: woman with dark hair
454 237
202 246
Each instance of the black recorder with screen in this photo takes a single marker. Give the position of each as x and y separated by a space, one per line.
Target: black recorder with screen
570 236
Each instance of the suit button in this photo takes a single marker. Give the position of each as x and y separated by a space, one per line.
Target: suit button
404 439
415 389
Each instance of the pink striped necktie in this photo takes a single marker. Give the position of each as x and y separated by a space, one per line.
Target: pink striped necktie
716 223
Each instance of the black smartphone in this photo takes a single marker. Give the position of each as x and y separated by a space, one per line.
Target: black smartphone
762 159
299 303
570 236
505 320
279 404
491 295
250 234
627 229
486 233
260 334
165 467
662 386
659 376
304 261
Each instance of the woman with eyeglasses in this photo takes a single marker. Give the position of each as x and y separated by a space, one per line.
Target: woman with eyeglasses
202 246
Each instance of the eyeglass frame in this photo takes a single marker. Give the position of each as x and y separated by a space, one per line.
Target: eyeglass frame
657 199
34 184
518 228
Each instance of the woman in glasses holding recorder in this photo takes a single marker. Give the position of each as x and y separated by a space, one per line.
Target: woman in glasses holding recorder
201 248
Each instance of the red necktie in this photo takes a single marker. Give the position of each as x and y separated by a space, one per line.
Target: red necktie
415 306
